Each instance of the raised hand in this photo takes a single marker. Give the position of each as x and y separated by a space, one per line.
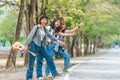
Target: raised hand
60 42
81 24
73 34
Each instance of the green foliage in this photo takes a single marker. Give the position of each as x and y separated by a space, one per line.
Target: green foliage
8 26
1 12
22 40
101 17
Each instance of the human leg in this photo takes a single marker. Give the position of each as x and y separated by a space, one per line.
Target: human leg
50 49
39 63
30 68
66 57
50 61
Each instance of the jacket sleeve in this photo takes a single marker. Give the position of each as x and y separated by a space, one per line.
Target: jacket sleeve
50 36
31 35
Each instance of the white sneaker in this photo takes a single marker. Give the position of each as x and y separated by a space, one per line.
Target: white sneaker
40 78
49 76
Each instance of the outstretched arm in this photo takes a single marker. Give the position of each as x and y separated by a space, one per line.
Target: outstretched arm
74 29
66 34
53 38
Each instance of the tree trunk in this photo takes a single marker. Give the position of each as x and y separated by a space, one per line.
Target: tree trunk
94 45
72 47
87 45
30 8
12 56
91 47
68 44
77 47
85 49
31 13
36 10
44 7
27 30
80 44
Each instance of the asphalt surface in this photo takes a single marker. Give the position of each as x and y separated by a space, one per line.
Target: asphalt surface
102 67
4 50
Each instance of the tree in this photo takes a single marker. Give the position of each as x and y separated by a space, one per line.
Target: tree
29 13
99 16
12 56
7 26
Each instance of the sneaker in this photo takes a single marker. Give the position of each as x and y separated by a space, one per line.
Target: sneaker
40 78
49 76
65 70
71 65
59 74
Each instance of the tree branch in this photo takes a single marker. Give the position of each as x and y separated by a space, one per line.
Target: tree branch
3 3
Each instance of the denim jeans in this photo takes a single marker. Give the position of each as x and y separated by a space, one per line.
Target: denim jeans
63 54
66 57
50 48
40 53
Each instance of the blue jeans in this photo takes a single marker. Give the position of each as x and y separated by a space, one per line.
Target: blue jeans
51 52
40 53
63 54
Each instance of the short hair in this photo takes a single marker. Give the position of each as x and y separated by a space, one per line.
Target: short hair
44 16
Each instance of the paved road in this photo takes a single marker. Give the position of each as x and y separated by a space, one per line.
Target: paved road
4 50
103 67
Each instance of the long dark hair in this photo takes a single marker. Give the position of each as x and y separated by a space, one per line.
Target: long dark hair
53 25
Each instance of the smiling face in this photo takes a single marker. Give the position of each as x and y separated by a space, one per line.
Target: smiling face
57 23
63 26
43 21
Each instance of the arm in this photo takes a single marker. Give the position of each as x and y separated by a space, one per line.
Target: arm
72 30
53 38
66 34
50 36
26 46
31 35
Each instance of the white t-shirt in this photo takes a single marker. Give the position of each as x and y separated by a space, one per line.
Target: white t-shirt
42 33
51 32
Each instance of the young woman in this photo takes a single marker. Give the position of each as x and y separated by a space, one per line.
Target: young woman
51 44
36 43
51 48
62 51
63 31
